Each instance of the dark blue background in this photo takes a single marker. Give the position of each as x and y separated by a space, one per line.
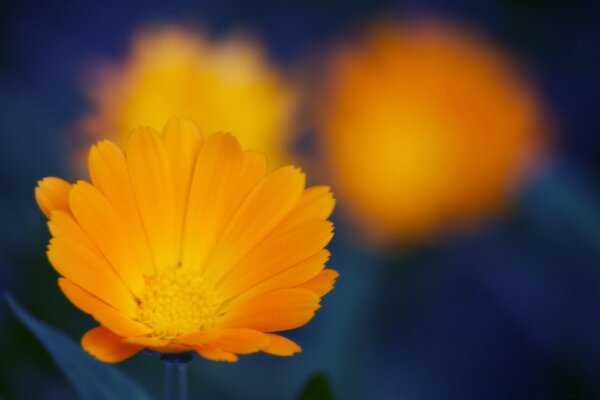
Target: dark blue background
509 312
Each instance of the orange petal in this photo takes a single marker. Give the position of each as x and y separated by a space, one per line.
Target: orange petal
275 311
63 225
322 283
52 194
106 346
281 346
109 173
254 167
241 341
264 208
90 272
276 254
110 234
215 354
146 341
212 198
253 170
288 278
316 203
152 180
183 141
113 319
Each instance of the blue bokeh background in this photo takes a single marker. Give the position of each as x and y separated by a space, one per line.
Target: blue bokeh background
508 312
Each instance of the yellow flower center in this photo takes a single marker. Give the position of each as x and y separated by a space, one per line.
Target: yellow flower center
176 302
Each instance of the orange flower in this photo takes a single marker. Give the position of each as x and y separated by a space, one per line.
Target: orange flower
183 244
426 127
223 85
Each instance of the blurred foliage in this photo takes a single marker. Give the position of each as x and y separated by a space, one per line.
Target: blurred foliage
92 379
317 388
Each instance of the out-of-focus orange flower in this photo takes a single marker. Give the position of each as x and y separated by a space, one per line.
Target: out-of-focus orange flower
224 85
424 127
184 244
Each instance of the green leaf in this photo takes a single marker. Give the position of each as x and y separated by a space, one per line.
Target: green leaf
317 388
92 379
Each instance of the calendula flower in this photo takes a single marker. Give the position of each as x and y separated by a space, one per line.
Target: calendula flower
426 127
224 85
183 244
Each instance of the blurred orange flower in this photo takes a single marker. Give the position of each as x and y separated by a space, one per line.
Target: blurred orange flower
224 85
425 127
183 244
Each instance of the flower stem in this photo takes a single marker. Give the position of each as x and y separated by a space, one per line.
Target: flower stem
175 384
183 389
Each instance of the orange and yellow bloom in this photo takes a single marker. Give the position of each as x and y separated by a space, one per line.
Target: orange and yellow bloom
181 243
426 127
226 84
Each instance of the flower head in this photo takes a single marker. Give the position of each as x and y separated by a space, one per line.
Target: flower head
182 244
223 85
425 127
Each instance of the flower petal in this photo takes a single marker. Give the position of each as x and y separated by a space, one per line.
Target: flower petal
110 176
322 283
316 203
104 227
241 341
63 225
211 199
106 346
281 346
216 354
146 341
275 311
264 208
254 166
183 141
288 278
113 319
52 194
152 180
90 272
276 254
